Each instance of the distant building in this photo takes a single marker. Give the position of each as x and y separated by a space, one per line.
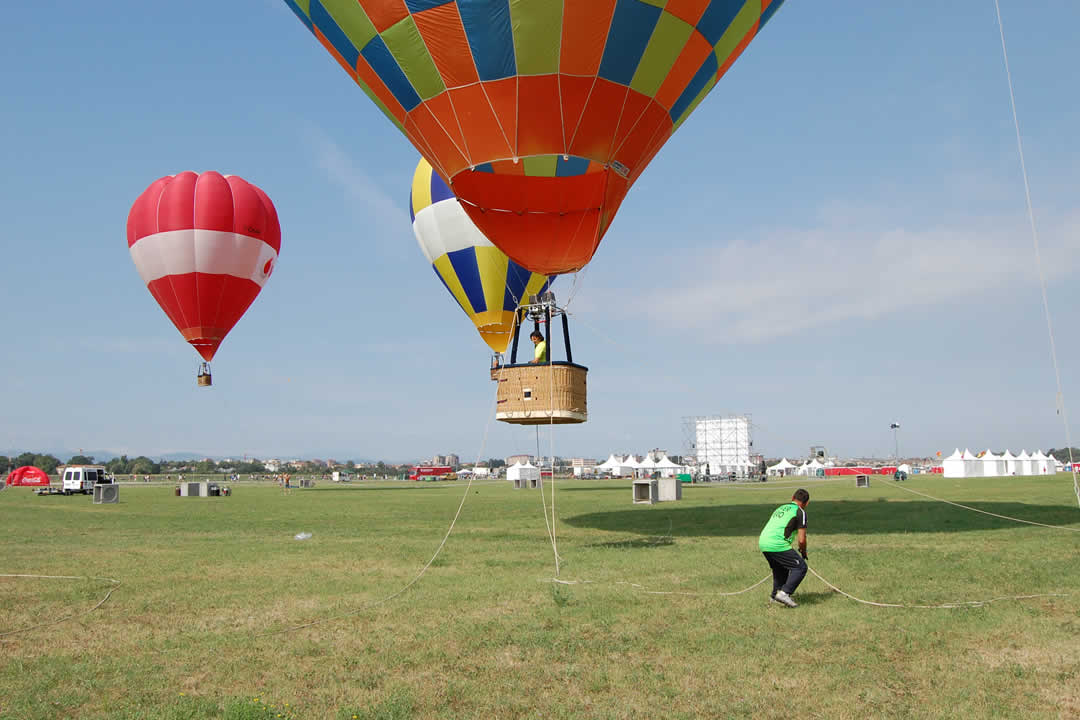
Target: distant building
583 467
519 459
452 460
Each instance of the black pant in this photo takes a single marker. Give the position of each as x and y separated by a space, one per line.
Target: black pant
788 570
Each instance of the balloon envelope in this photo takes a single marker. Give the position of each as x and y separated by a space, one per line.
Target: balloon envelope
541 114
487 284
204 245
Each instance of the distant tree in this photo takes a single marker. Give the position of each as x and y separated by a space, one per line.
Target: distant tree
143 465
205 466
496 463
48 463
81 460
350 465
119 466
6 463
380 465
1062 455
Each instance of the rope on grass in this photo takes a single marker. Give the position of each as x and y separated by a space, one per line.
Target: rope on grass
985 512
114 582
943 606
644 590
421 572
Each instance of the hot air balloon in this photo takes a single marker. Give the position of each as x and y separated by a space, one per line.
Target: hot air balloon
204 245
541 114
487 285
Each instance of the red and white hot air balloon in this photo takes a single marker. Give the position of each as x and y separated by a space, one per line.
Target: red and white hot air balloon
204 245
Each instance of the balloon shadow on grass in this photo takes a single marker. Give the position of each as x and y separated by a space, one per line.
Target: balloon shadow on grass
826 517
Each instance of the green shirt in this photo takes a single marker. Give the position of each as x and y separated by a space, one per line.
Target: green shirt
779 533
541 352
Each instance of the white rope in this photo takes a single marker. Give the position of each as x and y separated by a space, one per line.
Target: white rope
942 606
984 512
551 450
641 588
543 500
423 570
115 584
1038 256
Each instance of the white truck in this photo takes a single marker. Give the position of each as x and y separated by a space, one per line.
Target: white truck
82 478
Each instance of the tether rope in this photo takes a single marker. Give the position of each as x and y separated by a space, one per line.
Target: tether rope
985 512
942 606
644 590
115 584
1038 256
423 570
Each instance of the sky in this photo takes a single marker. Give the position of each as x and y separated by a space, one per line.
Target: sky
835 240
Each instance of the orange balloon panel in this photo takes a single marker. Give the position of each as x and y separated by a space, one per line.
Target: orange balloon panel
541 115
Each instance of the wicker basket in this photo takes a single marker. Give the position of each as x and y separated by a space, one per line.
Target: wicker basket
204 380
541 394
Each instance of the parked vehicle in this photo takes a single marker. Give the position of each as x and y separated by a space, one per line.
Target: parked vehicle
82 478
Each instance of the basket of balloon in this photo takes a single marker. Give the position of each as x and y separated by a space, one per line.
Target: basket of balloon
552 393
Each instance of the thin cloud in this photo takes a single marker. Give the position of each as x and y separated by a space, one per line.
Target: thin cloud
783 283
359 187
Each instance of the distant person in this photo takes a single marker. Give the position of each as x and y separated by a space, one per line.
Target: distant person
775 542
540 352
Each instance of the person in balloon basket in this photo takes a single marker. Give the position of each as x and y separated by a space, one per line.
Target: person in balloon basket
540 352
785 525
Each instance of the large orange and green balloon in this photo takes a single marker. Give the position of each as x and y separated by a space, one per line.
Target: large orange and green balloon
539 113
487 284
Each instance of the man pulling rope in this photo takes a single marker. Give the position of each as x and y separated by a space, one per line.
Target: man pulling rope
788 567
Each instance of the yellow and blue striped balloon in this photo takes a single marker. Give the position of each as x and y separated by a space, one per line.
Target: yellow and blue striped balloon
487 284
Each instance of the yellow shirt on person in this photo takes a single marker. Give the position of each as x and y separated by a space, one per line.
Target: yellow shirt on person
540 355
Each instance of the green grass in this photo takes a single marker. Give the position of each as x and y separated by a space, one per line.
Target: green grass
201 626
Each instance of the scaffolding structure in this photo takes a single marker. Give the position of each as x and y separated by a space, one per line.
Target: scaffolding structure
720 446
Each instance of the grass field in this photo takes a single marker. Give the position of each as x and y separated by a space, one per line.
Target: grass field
204 622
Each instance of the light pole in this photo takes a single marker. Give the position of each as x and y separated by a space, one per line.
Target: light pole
896 442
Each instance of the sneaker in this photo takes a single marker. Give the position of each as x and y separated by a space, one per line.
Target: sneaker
785 599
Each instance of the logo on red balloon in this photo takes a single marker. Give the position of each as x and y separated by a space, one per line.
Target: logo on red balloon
268 267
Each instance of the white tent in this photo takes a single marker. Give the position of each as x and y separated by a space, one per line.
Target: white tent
609 466
953 466
992 465
1023 463
648 464
1040 463
628 465
904 468
1010 463
972 464
519 471
668 468
815 468
781 468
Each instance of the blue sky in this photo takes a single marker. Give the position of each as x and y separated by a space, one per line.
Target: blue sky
836 239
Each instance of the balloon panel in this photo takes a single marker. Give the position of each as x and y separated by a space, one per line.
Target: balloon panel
205 245
487 284
514 100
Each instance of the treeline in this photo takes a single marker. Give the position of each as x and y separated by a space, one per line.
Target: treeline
1062 455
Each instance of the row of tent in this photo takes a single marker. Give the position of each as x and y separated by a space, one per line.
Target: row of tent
630 466
967 464
813 468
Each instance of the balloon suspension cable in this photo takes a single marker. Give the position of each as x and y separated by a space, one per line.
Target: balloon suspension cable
1038 256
